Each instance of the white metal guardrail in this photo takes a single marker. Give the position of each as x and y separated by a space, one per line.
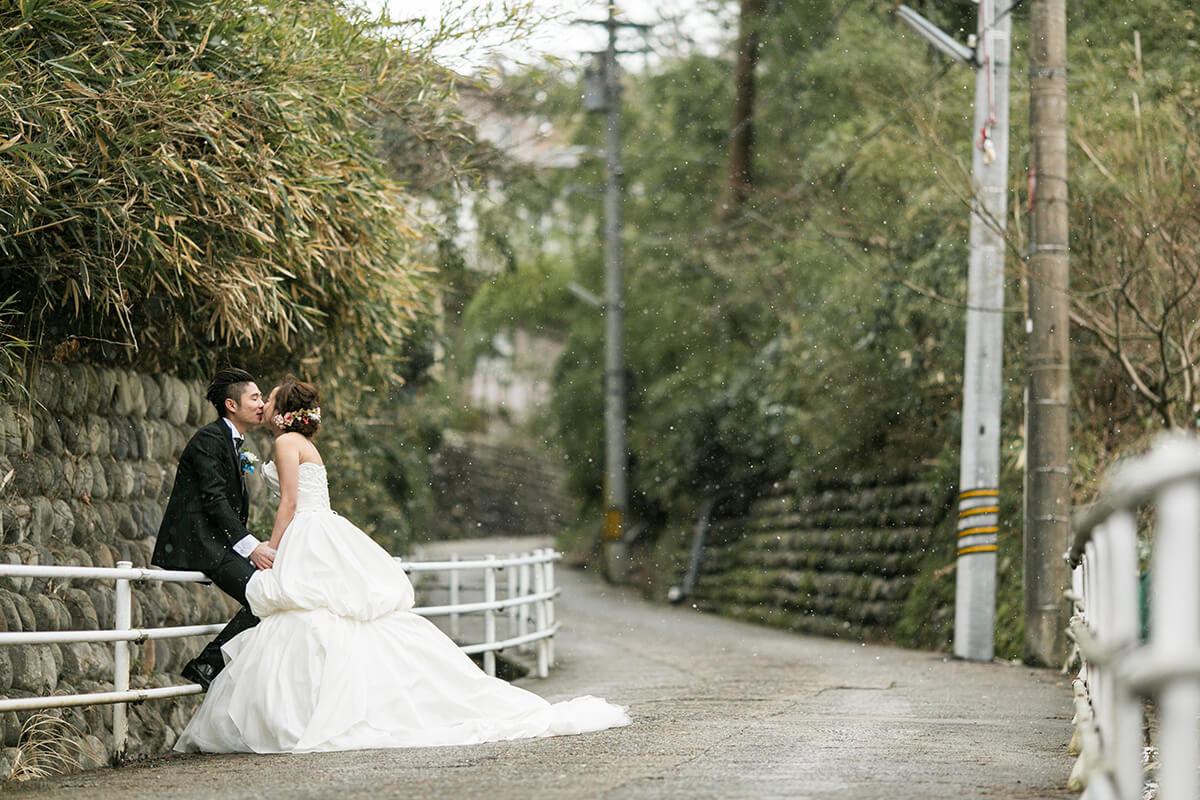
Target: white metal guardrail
1118 669
530 585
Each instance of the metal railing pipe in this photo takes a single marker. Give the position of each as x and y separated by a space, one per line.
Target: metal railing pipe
551 592
1117 668
503 644
129 573
538 564
533 557
489 617
1126 716
539 588
523 588
482 605
454 588
97 698
135 635
1132 484
124 617
1174 632
511 578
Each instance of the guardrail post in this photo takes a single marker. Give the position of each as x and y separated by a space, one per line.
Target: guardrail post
523 616
1099 674
454 599
539 586
1175 609
489 617
124 618
1126 718
514 610
550 604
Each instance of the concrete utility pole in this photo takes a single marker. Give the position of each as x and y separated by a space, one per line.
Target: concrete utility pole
979 467
605 95
1047 477
616 559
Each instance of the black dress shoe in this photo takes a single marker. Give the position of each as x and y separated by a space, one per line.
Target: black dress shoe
200 673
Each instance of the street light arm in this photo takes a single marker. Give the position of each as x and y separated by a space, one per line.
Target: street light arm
583 294
936 36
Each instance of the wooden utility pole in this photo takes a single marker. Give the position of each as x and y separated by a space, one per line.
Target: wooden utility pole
741 136
1047 478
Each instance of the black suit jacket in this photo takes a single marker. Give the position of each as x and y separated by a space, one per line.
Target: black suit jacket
207 511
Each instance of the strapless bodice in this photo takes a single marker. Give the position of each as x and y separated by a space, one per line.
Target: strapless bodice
312 486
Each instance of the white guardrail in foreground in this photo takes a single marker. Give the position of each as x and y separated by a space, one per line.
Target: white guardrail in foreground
1118 669
530 583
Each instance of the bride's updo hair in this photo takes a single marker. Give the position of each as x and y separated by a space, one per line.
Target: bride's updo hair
297 407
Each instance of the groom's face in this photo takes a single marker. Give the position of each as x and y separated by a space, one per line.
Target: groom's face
247 410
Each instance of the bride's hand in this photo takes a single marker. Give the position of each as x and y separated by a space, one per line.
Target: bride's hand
263 556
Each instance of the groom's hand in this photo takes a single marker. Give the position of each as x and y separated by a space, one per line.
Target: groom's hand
263 556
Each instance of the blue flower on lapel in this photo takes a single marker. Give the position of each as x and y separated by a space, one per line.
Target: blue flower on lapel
249 461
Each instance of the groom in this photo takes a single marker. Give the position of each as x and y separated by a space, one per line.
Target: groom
204 525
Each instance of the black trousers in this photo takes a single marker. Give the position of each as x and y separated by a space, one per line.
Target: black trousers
231 575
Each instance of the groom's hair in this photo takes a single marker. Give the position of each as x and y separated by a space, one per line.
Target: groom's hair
227 384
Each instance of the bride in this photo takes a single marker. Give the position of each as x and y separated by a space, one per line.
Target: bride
339 661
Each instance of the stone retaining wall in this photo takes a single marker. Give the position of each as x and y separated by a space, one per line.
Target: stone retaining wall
87 461
495 485
835 563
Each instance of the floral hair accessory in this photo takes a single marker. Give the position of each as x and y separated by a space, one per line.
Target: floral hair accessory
301 416
249 461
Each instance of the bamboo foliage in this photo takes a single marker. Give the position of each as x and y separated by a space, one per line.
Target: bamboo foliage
187 176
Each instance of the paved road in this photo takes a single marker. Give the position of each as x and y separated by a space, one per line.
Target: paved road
721 710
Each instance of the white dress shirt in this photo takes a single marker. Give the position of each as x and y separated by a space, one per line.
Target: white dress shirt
244 546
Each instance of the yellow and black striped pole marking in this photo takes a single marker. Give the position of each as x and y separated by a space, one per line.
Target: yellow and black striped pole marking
614 527
978 521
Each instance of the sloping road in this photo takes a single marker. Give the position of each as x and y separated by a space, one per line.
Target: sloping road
721 709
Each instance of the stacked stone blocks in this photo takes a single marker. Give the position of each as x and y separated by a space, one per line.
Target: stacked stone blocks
87 461
485 485
839 562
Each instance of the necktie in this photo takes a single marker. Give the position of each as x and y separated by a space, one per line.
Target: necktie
237 446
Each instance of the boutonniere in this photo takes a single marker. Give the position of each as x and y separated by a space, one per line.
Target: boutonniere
249 461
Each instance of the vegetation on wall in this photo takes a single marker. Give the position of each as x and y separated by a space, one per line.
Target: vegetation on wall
189 184
186 177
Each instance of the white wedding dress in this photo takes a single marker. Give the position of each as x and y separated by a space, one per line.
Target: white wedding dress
339 662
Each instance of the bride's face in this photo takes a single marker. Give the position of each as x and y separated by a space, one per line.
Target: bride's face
269 410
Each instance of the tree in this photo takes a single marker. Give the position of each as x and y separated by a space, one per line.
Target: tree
741 132
1138 236
754 344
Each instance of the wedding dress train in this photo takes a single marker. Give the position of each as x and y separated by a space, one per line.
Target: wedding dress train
339 661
